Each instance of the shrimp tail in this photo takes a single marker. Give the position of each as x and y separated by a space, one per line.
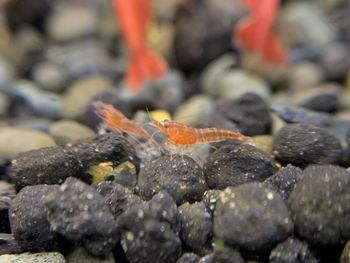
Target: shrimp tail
145 64
213 135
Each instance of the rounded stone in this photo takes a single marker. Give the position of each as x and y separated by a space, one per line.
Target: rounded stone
320 205
302 144
251 217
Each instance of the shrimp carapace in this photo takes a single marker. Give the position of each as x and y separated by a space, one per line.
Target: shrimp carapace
134 17
186 136
115 120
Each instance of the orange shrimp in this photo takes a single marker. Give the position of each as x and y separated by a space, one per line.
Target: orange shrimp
117 121
186 136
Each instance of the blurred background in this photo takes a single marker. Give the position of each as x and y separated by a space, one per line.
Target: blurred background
57 57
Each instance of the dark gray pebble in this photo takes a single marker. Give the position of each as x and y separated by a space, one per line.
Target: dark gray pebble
8 245
79 213
251 217
292 250
118 198
210 198
180 175
188 257
237 164
223 255
284 180
335 126
303 144
28 218
320 205
196 227
145 237
323 101
54 164
51 165
163 206
249 113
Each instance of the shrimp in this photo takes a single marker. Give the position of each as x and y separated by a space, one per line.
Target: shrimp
186 136
117 121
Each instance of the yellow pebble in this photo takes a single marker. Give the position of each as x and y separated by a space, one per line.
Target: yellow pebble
160 115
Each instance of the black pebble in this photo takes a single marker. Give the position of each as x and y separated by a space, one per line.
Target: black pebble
79 213
118 198
53 165
303 144
292 250
188 257
181 176
196 227
50 165
323 101
223 255
147 238
28 218
251 217
237 164
249 113
320 205
284 180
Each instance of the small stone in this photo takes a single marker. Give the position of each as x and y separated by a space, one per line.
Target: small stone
213 72
4 104
63 25
81 92
251 217
323 193
50 76
44 257
7 73
146 236
303 144
124 174
79 213
322 98
196 227
337 127
51 165
224 254
235 83
66 131
292 251
188 257
43 103
179 175
118 198
196 111
28 218
304 75
228 166
249 112
284 180
8 245
80 255
263 143
15 140
163 206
